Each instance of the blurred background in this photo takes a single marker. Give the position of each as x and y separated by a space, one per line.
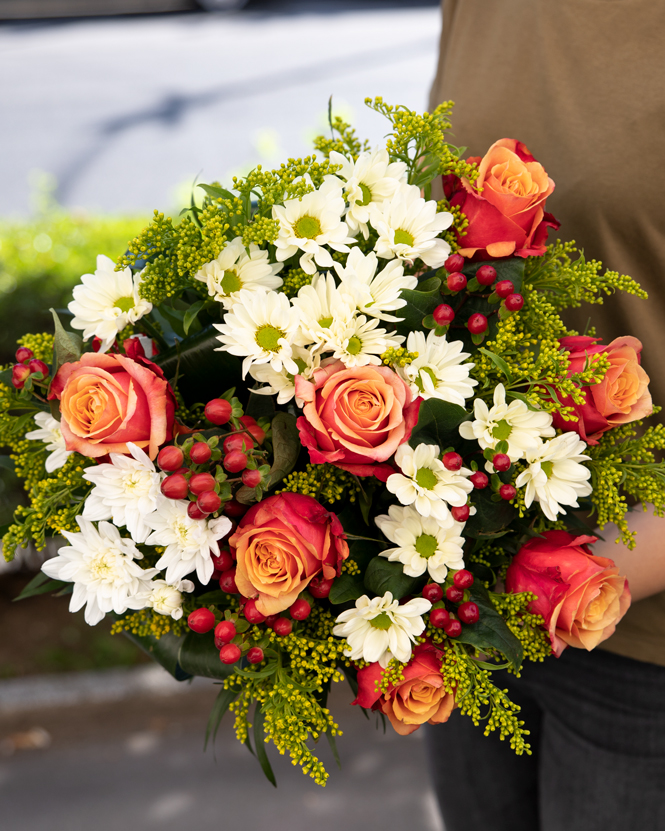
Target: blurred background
111 109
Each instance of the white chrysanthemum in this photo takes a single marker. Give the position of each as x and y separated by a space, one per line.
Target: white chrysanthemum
426 483
166 599
555 475
234 269
106 302
101 565
381 629
261 328
375 294
514 423
50 433
423 543
325 311
310 223
371 178
282 384
189 542
362 342
440 370
409 226
126 491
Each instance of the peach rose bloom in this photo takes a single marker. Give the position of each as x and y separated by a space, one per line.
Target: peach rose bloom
281 544
419 698
581 596
623 394
107 400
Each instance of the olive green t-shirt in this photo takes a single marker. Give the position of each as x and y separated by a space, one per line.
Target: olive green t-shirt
582 84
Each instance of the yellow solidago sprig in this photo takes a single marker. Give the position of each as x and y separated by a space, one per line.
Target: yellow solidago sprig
528 628
149 623
41 344
324 482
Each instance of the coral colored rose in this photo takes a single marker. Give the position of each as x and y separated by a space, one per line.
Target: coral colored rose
109 400
355 418
419 698
506 206
623 394
280 544
581 597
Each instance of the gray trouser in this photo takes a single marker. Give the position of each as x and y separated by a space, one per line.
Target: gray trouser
597 724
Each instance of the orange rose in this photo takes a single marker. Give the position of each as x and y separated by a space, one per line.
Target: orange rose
281 544
419 698
109 400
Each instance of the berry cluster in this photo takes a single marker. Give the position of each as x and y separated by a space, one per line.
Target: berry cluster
456 594
28 369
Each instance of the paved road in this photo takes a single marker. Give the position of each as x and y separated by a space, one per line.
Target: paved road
125 112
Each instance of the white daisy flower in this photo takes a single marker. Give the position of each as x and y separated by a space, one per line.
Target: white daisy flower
324 311
426 483
282 384
50 433
189 542
409 227
312 222
166 599
555 475
361 342
107 301
375 294
514 423
440 370
261 328
423 543
234 269
372 178
126 491
101 565
381 629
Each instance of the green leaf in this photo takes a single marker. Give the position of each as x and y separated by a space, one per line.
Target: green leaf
491 517
6 377
6 462
430 285
216 192
270 669
383 576
438 423
419 304
346 588
499 362
164 651
491 630
260 745
191 315
333 747
219 708
260 406
286 449
67 346
198 655
40 584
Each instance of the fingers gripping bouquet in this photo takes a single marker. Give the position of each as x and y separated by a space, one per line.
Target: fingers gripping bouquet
325 426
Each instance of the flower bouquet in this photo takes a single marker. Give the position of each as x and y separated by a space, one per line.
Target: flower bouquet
325 426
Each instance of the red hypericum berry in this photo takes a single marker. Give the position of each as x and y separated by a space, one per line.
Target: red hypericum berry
175 486
514 302
270 620
235 509
255 655
453 628
230 653
433 592
251 478
218 411
282 627
454 263
477 324
507 492
20 374
170 458
201 482
456 281
250 424
463 579
227 582
452 460
479 480
503 288
443 315
225 632
194 512
319 587
252 613
222 561
235 461
201 621
454 594
238 441
460 513
439 618
486 275
36 365
501 462
200 453
300 609
24 354
209 502
468 612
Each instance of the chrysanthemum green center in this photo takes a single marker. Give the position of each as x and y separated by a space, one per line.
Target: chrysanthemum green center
548 468
325 322
125 304
307 227
501 430
268 336
403 237
231 282
367 194
302 366
419 380
381 621
355 345
426 545
426 478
